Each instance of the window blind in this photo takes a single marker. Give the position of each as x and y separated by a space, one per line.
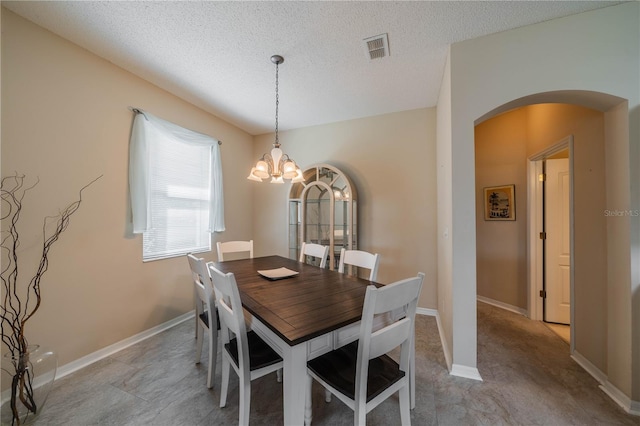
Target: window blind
176 188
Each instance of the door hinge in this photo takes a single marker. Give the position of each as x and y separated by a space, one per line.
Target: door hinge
543 294
542 177
543 235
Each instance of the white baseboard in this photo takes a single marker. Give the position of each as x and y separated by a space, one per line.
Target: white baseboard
443 342
466 372
503 305
454 369
583 362
111 349
73 366
630 406
427 311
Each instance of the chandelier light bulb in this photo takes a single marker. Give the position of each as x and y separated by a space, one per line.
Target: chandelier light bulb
262 169
253 176
289 170
299 177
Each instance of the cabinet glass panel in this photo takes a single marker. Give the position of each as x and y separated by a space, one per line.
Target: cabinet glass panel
316 220
322 210
294 228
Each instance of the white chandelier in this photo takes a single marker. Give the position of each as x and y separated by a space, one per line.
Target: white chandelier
277 165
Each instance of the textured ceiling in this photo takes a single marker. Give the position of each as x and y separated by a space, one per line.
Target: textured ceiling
216 54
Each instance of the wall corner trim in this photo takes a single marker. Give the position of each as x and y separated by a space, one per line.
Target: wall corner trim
454 369
630 406
466 372
443 342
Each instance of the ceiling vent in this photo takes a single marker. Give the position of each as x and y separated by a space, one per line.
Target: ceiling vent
377 46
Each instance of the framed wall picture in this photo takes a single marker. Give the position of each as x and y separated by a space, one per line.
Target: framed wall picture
500 202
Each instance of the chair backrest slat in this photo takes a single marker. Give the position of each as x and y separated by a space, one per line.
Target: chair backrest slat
230 310
389 337
316 250
361 259
389 299
234 247
227 316
198 269
201 281
400 332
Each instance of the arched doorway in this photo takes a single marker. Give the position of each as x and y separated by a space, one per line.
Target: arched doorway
603 122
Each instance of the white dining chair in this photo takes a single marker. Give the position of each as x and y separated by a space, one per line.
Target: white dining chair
249 355
234 247
361 374
206 314
314 250
360 259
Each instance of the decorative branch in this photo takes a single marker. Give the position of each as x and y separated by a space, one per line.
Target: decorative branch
15 312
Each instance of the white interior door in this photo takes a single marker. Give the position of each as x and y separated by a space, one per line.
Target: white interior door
557 244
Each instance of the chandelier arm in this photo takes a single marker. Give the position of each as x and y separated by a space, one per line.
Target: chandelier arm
269 160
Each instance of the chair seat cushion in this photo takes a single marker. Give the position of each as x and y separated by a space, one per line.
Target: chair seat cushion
261 354
338 368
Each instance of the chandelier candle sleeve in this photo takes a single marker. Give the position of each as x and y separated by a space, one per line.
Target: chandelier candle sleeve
277 165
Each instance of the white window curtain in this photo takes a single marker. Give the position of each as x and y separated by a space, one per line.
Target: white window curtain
146 129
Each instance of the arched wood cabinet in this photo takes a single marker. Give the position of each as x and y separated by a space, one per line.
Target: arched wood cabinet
323 210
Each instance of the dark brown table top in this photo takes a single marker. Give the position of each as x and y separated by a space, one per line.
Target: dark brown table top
299 308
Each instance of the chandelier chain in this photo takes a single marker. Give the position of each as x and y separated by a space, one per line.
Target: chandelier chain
276 165
277 143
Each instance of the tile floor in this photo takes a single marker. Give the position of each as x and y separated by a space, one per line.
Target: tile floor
564 331
528 379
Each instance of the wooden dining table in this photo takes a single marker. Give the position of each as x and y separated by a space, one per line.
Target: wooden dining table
302 316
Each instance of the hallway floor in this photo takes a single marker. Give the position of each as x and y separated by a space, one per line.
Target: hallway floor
564 331
528 379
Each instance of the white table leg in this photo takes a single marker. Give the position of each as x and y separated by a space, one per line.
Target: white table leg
295 372
308 412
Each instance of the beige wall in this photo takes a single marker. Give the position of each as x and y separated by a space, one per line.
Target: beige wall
595 52
391 160
503 145
65 119
444 222
548 124
501 246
